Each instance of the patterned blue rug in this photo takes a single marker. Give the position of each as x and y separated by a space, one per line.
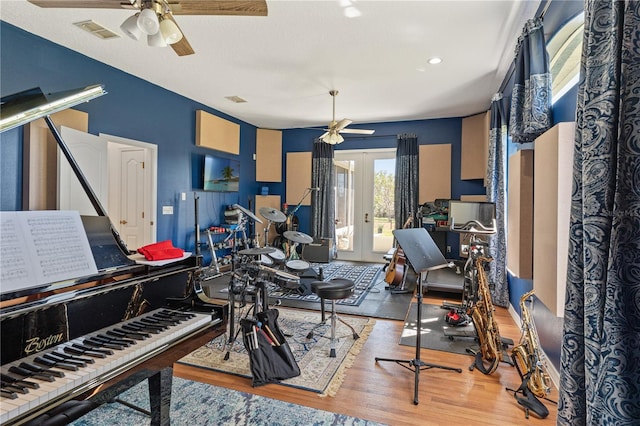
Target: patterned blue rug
364 277
194 403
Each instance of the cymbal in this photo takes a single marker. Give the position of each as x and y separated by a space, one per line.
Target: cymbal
247 212
272 214
257 251
298 237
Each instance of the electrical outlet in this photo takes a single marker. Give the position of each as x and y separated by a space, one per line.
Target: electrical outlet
448 249
183 195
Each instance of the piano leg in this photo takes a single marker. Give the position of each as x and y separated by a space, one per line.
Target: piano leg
159 394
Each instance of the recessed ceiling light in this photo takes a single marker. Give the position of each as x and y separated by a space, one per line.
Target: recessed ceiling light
351 12
435 60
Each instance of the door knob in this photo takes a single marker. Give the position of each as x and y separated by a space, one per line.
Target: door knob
123 222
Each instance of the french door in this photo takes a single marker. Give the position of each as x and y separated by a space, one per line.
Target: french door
364 203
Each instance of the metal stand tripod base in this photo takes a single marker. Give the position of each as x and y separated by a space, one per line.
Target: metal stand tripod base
416 365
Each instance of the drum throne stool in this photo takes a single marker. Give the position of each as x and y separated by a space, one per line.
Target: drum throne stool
334 289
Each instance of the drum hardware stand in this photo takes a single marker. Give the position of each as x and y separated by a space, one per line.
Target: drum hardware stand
424 256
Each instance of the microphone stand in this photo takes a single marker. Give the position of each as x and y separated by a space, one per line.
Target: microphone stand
306 193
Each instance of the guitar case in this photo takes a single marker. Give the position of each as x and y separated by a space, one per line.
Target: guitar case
270 357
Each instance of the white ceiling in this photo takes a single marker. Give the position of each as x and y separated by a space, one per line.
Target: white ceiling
285 64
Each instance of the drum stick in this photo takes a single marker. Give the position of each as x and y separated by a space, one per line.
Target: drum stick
266 327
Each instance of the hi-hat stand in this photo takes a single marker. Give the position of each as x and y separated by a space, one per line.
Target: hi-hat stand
424 256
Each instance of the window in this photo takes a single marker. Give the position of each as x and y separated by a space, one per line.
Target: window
565 50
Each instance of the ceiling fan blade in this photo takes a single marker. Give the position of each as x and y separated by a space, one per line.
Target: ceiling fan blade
343 123
182 47
358 131
178 7
83 4
324 135
219 7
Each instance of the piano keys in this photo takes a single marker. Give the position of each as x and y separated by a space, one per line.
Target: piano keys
38 382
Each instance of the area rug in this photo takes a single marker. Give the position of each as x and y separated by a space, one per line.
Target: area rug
364 276
435 332
319 372
194 403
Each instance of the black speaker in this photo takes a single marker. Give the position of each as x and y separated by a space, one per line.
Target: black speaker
320 251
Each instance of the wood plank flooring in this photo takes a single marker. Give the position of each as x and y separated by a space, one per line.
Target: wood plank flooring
383 392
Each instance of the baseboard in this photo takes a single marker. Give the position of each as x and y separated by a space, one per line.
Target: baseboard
554 375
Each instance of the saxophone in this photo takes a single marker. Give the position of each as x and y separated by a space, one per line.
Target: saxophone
485 324
527 356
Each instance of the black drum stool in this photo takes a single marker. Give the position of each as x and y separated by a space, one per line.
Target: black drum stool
334 289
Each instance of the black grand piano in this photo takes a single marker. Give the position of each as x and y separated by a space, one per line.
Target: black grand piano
65 339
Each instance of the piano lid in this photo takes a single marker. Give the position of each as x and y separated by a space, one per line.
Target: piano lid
29 105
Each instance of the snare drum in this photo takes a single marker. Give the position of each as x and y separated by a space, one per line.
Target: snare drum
266 260
277 256
286 281
297 265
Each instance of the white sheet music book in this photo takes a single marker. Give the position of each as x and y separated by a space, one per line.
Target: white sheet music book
42 247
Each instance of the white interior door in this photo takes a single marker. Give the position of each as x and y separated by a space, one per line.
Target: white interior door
364 203
132 197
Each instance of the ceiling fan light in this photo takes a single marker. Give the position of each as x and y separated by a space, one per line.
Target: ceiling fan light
148 22
156 40
170 31
130 27
333 138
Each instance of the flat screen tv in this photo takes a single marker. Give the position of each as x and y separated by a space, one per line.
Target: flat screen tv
221 174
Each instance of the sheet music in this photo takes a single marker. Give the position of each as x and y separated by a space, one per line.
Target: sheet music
42 247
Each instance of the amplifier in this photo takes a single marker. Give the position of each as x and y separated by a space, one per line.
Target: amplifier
320 251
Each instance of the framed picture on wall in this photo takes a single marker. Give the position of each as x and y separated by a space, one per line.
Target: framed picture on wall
221 174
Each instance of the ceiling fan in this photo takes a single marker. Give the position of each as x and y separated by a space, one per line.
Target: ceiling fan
332 135
154 18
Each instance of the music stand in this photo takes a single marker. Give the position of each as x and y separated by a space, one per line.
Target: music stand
424 256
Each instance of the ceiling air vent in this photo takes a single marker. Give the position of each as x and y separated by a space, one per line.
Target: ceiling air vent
236 99
96 29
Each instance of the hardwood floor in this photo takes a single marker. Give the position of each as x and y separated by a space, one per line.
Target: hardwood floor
383 392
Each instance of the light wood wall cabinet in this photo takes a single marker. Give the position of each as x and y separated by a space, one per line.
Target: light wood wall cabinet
217 133
272 201
552 182
434 172
475 146
268 155
520 214
298 177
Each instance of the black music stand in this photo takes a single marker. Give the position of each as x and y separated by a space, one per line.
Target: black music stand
423 255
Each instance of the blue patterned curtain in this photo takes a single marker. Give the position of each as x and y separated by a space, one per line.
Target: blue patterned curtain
406 182
531 95
497 193
600 361
322 201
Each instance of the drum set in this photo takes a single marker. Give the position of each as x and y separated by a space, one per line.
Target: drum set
254 267
283 267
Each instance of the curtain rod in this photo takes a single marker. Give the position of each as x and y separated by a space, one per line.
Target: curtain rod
512 67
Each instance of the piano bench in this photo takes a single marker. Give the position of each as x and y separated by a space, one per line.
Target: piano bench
64 413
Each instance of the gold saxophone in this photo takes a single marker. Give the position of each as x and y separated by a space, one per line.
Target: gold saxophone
137 304
485 323
526 355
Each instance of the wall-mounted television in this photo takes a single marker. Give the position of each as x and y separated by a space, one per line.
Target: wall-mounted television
221 174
